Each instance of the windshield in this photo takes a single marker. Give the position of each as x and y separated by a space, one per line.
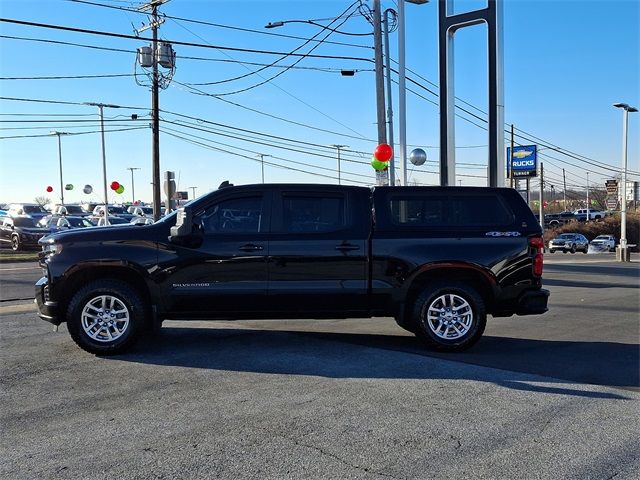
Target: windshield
117 210
79 222
24 222
117 220
33 209
147 210
74 209
567 235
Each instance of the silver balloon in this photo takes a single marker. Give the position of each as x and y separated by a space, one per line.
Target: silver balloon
418 156
87 189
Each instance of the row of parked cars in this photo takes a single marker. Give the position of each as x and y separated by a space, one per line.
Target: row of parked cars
23 224
576 242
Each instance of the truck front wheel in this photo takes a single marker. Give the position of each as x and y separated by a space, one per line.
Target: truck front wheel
105 317
449 316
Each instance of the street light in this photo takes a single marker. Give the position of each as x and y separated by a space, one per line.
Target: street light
338 148
104 155
60 161
133 188
623 224
402 89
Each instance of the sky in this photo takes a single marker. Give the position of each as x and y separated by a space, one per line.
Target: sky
565 64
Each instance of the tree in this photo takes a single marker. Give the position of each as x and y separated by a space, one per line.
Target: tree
598 198
42 200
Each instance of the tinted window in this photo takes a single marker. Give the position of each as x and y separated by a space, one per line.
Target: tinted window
24 222
32 209
313 213
237 215
449 210
74 209
117 210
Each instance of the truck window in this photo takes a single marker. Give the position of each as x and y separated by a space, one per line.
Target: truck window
450 211
236 215
313 213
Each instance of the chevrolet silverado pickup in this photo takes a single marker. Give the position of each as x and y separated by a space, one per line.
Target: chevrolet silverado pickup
437 259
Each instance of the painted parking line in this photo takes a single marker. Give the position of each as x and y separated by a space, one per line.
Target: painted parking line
36 267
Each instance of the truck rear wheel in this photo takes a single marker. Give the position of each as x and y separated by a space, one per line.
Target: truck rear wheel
449 316
106 317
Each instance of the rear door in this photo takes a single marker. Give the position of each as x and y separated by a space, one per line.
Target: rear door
318 250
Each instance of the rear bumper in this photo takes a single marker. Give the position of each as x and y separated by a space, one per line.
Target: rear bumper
533 302
47 310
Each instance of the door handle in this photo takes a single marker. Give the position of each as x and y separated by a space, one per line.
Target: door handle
250 247
346 247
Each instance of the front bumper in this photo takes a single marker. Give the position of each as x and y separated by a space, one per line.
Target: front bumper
47 309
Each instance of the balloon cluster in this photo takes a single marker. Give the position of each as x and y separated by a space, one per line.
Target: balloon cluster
381 156
116 187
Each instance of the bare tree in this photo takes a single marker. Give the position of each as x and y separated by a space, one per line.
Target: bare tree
598 198
42 200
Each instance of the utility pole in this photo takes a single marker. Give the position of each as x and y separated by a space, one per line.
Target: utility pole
387 57
262 155
382 177
193 191
564 190
511 159
155 115
623 220
60 162
133 188
541 208
338 147
588 213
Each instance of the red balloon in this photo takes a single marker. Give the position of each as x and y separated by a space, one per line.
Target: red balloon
383 152
115 185
49 189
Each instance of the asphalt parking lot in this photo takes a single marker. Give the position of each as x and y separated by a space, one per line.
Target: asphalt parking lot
551 396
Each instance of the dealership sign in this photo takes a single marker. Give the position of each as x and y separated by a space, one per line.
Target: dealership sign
523 162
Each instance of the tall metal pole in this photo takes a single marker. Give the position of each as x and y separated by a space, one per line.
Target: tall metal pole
541 207
402 95
387 57
623 223
377 40
338 147
262 155
155 114
104 168
60 162
510 159
564 190
193 191
133 188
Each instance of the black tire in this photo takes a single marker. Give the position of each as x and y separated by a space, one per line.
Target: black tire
586 249
16 245
127 296
552 251
573 248
431 295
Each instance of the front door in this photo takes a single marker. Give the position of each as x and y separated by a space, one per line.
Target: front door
318 251
226 276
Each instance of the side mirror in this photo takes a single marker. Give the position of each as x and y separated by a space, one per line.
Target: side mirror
185 232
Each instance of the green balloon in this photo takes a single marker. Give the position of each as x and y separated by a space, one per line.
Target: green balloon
377 164
120 189
68 186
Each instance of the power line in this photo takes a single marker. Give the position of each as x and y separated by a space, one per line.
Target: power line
69 77
174 42
219 25
74 133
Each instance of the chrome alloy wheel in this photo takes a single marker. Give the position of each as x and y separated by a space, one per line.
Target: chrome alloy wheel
449 316
105 318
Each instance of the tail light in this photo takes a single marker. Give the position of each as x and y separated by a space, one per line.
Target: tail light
537 243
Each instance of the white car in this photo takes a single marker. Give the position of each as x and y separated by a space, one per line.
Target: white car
593 213
604 243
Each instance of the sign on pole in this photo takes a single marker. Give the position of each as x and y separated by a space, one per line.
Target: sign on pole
523 162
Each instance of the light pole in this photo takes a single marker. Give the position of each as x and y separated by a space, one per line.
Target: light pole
193 192
623 224
60 161
104 156
402 89
338 147
133 188
261 156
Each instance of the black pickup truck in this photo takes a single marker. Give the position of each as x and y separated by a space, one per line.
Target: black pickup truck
437 259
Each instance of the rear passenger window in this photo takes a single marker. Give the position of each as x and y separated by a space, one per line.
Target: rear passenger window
313 213
237 215
450 211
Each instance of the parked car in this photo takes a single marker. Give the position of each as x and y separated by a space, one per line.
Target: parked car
115 210
604 243
32 210
581 214
569 242
437 259
55 223
142 221
100 222
140 211
556 219
76 210
20 232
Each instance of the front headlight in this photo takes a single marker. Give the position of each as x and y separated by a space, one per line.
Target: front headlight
567 244
52 248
